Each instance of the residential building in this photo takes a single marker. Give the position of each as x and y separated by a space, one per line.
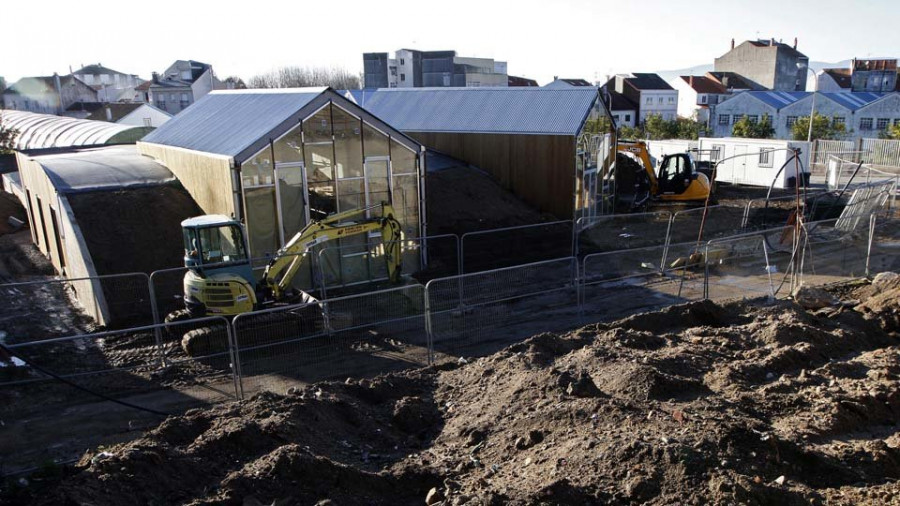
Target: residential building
136 113
520 81
733 82
410 68
876 75
47 94
566 83
697 96
182 84
863 114
652 94
111 85
623 110
771 65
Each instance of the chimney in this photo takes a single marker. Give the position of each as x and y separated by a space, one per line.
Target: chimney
795 42
555 78
108 113
732 43
691 81
772 42
155 78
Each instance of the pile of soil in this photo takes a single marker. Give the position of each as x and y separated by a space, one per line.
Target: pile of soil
134 230
11 207
741 403
462 199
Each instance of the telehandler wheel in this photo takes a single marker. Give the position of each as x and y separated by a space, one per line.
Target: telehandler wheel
205 341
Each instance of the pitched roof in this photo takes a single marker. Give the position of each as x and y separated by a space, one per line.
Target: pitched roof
781 99
238 123
96 69
37 131
777 99
520 81
840 76
854 101
732 81
516 110
619 102
703 84
118 110
567 83
642 81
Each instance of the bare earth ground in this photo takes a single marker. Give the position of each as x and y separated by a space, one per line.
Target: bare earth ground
701 403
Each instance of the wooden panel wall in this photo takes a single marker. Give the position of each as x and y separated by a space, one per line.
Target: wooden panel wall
206 177
539 169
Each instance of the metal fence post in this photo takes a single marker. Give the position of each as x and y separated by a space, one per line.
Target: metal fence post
429 332
237 372
666 244
157 332
872 222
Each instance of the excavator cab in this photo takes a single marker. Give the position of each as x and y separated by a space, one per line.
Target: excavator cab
220 278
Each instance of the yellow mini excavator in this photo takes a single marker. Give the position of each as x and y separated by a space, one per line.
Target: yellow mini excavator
220 279
677 182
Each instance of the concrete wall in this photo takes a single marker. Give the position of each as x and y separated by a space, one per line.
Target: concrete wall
773 67
207 177
143 114
72 260
650 104
735 108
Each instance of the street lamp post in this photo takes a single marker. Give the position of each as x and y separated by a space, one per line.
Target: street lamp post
812 112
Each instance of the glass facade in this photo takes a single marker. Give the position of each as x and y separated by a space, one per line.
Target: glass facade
333 161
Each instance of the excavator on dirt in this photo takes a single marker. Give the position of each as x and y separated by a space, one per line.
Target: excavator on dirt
220 279
677 182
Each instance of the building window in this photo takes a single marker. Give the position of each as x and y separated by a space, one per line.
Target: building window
671 100
735 118
704 99
865 123
753 118
897 122
724 119
403 77
402 61
765 157
883 123
837 120
660 100
717 151
616 118
628 118
649 101
148 122
790 121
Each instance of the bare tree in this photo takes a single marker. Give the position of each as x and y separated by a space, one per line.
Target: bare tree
234 83
299 77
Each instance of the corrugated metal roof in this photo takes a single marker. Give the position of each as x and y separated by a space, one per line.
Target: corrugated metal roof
778 99
227 122
39 131
516 110
854 101
102 169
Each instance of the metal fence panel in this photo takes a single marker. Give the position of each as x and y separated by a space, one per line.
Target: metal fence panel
719 221
505 247
473 313
884 245
621 231
63 385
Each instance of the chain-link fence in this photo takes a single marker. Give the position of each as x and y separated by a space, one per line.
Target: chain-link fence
504 247
95 387
473 313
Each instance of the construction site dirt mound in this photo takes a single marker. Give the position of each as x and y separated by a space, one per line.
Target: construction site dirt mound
741 403
134 230
462 199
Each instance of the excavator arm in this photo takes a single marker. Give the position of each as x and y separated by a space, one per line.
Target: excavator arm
639 150
284 266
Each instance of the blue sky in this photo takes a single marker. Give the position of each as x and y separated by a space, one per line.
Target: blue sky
539 39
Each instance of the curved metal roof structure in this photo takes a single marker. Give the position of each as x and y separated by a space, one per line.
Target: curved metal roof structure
38 131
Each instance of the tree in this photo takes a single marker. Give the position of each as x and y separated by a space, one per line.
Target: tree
657 128
823 128
300 77
747 128
892 132
7 138
234 83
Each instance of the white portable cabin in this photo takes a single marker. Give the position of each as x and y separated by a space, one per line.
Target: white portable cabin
757 162
658 149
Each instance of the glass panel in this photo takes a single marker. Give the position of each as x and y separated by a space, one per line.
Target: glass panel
321 200
403 160
320 180
347 145
319 162
261 222
258 171
374 142
406 204
290 190
289 148
377 183
220 244
352 194
317 128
